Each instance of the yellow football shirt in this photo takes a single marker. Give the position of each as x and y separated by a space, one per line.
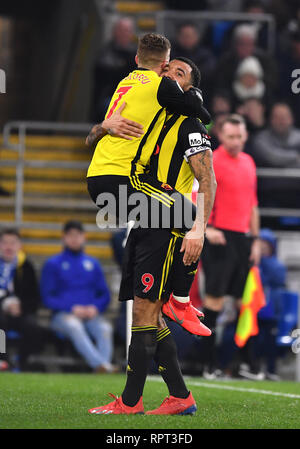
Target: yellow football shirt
117 156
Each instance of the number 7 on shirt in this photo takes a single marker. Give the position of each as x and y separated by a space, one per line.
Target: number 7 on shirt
121 91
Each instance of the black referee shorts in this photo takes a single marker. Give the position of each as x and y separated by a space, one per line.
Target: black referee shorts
166 208
226 266
153 266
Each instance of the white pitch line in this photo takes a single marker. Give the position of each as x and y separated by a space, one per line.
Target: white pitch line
231 388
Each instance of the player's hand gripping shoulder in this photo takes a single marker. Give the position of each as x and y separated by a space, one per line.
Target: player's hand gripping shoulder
188 103
116 126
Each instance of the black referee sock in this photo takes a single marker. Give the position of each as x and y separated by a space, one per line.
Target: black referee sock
141 350
168 365
210 318
209 343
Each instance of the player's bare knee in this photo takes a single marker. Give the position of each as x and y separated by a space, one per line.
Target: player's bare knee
144 312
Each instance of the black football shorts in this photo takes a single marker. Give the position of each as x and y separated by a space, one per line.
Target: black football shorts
152 266
226 266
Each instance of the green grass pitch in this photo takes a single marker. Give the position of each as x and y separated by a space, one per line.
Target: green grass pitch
61 401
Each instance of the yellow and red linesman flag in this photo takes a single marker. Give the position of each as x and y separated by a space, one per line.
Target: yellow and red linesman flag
253 300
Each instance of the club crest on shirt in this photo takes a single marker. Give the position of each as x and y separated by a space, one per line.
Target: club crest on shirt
88 265
166 186
65 265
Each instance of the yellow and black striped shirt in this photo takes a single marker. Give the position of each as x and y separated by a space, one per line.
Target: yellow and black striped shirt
180 138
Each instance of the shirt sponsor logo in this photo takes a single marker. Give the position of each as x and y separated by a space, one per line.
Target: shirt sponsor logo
195 139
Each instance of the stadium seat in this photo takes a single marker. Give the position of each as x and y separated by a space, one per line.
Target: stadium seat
54 192
288 319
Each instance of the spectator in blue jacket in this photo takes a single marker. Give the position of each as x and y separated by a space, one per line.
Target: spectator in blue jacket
73 286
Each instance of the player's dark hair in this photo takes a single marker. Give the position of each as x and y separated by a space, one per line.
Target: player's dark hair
152 48
234 119
195 74
10 231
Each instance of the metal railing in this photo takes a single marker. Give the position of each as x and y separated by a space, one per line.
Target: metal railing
283 173
21 129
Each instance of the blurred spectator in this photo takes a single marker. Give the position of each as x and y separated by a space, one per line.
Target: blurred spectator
273 277
229 247
249 82
114 61
220 106
278 146
229 5
220 32
244 46
192 5
73 286
256 7
19 297
188 44
283 12
289 60
220 103
292 28
253 110
214 129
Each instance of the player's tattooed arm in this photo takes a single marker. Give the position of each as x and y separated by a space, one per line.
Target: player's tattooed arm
202 166
96 133
116 126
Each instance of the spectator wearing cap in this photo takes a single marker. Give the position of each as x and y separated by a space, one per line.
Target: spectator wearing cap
251 7
249 81
73 286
